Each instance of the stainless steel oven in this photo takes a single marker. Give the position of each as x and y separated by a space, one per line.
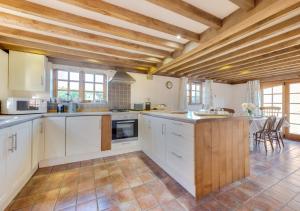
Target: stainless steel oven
124 127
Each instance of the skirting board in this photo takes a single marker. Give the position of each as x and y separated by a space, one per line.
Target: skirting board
117 149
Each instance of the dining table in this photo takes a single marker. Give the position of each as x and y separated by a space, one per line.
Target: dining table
257 124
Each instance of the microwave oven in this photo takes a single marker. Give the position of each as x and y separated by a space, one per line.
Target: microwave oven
24 106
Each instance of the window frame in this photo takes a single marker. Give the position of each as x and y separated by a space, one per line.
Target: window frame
189 97
81 82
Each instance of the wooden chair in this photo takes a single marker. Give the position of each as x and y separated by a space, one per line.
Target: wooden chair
264 134
276 133
270 110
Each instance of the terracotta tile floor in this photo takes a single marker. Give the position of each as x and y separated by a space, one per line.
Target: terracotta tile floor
133 182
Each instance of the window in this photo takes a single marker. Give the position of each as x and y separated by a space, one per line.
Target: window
193 93
84 86
272 96
93 87
67 85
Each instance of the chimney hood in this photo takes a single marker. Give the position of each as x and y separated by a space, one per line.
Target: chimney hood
122 77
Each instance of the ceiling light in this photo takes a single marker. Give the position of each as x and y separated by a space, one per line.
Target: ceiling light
244 72
178 37
226 67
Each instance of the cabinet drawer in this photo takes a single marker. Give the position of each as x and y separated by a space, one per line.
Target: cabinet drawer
180 163
181 129
184 145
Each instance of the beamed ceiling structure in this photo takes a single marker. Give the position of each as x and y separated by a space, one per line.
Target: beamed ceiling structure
230 41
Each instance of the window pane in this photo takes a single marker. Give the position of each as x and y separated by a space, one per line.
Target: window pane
89 96
74 76
74 94
193 86
295 118
267 104
193 100
99 96
74 85
197 94
277 98
278 105
198 87
294 98
294 129
295 88
62 75
193 93
99 87
89 77
99 78
268 91
188 87
277 89
89 87
62 85
294 108
62 94
267 98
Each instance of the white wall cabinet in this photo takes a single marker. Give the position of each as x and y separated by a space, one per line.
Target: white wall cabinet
4 133
26 71
55 137
83 135
38 142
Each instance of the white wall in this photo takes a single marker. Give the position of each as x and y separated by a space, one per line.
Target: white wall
238 96
155 90
3 75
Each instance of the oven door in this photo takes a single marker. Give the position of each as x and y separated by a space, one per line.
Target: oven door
124 130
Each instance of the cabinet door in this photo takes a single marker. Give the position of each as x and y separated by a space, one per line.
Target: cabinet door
146 135
55 137
19 160
26 71
3 153
37 142
83 135
158 140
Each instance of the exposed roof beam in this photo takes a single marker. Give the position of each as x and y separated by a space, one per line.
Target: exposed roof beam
59 31
30 36
232 25
68 18
189 11
244 4
133 17
89 56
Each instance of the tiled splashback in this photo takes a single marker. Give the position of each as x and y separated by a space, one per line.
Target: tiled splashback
119 95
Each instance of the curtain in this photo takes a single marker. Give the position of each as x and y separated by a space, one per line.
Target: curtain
182 94
208 94
254 93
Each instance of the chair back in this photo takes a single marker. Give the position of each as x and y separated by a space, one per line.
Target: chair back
272 122
229 110
280 123
270 110
267 123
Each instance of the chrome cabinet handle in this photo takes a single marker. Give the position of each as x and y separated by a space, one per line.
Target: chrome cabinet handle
176 155
12 143
15 142
176 134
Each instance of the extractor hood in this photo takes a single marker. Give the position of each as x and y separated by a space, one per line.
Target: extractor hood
122 77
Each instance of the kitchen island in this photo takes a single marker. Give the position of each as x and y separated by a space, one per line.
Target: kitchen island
202 153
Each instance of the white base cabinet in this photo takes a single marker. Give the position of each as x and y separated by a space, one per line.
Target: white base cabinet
83 135
55 132
15 160
171 145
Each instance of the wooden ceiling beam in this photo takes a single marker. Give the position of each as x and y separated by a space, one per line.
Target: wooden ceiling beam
90 56
133 17
244 4
189 11
265 52
86 23
254 47
59 31
275 56
260 35
30 36
234 26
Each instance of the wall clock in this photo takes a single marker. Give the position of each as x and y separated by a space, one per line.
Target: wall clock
169 84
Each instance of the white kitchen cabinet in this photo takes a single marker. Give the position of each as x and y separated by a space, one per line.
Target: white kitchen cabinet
146 135
26 71
38 144
55 137
4 133
83 135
